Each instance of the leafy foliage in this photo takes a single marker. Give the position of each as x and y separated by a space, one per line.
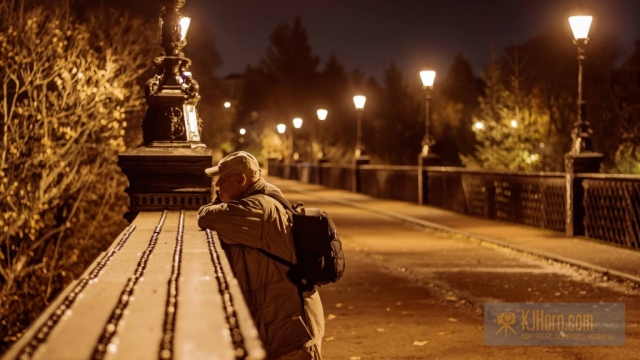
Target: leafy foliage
70 87
509 125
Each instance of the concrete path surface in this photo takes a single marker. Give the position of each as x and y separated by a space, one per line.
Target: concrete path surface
413 291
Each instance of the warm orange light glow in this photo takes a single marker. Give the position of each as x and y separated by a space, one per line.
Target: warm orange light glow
243 131
322 114
428 78
227 104
580 26
359 101
184 27
281 128
297 123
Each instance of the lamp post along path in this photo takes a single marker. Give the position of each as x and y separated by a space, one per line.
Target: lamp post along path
581 158
428 77
167 171
426 157
581 133
359 102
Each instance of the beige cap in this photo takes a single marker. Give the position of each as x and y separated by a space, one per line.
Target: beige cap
239 162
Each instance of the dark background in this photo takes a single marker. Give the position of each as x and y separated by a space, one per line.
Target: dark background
368 35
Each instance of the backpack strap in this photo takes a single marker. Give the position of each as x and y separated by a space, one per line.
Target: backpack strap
276 258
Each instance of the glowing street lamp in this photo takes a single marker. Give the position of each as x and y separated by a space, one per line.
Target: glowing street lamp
428 77
581 132
297 123
359 101
281 128
243 131
227 104
322 114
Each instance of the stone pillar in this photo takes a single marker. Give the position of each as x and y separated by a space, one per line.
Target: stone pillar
357 162
423 180
578 163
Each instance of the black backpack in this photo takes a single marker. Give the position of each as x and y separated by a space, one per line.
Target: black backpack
317 245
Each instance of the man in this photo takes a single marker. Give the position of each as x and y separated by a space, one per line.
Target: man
247 220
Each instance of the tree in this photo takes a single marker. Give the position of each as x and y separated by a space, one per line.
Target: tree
510 124
69 90
455 100
397 129
624 92
282 86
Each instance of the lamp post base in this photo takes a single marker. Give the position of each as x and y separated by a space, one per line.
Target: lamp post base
578 163
166 178
423 180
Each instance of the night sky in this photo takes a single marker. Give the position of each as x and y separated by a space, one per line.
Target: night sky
369 34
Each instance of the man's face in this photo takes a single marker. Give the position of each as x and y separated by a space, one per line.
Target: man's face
230 185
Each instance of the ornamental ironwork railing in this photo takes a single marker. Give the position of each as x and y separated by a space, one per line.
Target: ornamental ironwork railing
607 207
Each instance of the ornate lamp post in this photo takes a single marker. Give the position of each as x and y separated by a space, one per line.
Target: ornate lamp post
172 94
427 77
281 129
322 116
167 171
581 158
582 131
359 101
297 123
426 156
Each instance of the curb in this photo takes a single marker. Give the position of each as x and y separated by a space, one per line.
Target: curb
610 273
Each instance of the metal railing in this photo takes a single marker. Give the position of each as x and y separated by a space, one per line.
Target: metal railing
607 206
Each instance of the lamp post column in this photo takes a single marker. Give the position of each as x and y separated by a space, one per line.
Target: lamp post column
581 158
426 157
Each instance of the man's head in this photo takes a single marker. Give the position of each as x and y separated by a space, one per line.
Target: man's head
236 172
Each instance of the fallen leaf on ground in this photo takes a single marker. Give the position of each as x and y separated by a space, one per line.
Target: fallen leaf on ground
330 338
339 305
442 333
388 309
399 303
355 358
451 297
453 320
331 317
420 343
406 313
380 329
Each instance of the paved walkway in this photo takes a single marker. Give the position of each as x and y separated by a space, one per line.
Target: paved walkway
603 259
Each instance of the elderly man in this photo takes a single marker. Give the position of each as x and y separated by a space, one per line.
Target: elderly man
290 322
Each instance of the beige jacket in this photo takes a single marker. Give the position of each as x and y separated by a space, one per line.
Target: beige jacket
258 221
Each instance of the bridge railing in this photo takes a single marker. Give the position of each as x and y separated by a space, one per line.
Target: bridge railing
163 290
607 207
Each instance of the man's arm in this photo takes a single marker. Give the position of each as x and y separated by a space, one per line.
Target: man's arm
237 222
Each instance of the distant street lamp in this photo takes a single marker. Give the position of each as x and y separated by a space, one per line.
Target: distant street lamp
359 101
297 123
227 104
582 131
322 116
281 129
243 131
428 77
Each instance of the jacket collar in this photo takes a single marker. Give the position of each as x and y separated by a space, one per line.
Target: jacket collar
257 187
